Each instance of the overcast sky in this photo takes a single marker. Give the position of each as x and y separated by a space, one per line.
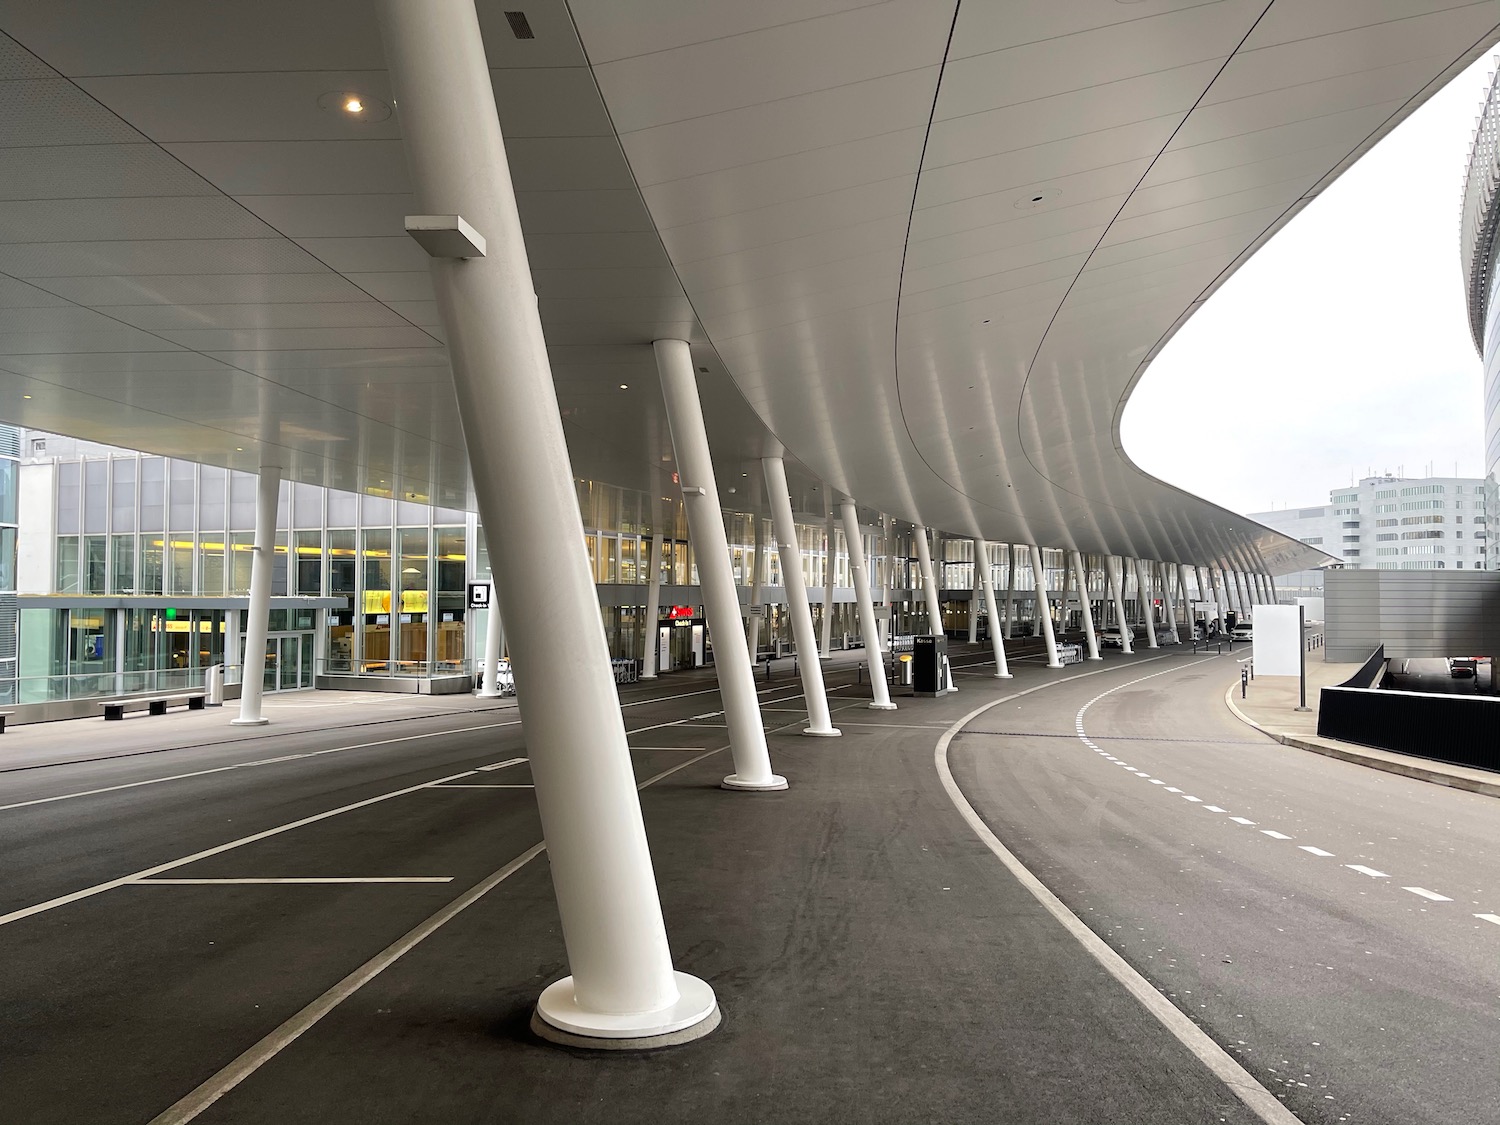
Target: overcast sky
1342 346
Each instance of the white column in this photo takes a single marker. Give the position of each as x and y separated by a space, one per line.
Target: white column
1143 599
622 985
721 599
1044 610
1216 579
1182 589
1088 606
1010 590
757 568
829 557
1167 600
1112 572
1067 592
1271 587
987 584
929 582
974 597
490 690
267 492
867 627
784 528
653 608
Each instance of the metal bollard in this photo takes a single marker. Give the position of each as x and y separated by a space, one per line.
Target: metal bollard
1244 680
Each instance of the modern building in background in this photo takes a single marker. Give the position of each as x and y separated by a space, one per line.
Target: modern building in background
1479 223
1389 523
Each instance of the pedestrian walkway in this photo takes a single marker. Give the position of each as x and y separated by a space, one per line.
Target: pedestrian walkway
1270 705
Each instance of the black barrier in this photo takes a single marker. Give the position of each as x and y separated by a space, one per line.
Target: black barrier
1446 728
1369 672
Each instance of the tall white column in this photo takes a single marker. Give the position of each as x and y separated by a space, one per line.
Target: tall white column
1167 600
653 608
1221 605
1010 590
1087 602
882 546
929 582
1044 610
1182 590
1116 589
757 607
622 986
829 557
867 627
987 584
1271 588
257 620
784 528
490 688
1067 594
1143 598
721 599
974 597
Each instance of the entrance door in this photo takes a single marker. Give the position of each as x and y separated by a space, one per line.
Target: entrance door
291 663
270 681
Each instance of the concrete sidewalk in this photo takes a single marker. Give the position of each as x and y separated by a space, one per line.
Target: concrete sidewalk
1270 705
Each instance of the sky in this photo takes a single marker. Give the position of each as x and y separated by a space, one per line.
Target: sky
1342 346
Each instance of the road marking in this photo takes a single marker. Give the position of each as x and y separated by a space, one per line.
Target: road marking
667 748
1239 1080
1156 781
1242 820
1275 835
249 765
1430 896
1173 789
476 785
1370 871
505 764
1495 918
1310 850
1195 800
1213 808
294 882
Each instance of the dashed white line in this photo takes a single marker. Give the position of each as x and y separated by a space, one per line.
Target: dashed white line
1271 832
1370 871
1156 781
1173 789
1310 850
1242 820
1430 896
1195 800
1213 808
1495 918
503 765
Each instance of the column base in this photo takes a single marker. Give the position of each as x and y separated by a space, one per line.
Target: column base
249 722
735 782
559 1019
1095 658
482 694
1058 665
1004 676
647 676
831 732
881 706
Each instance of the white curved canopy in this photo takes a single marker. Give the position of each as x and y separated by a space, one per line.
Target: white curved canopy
928 248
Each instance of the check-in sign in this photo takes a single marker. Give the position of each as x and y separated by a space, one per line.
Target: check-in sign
479 595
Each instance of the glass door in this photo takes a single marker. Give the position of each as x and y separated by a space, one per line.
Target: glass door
270 679
291 663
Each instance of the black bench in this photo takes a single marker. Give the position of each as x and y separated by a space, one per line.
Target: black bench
156 704
3 716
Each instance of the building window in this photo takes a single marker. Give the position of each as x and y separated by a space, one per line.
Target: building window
122 563
94 571
67 563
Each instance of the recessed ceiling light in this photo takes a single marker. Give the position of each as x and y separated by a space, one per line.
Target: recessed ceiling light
237 449
624 386
354 106
1035 197
25 396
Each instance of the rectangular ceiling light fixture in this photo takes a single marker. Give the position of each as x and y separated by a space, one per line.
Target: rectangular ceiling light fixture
518 25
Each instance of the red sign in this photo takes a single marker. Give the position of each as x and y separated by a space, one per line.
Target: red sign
677 612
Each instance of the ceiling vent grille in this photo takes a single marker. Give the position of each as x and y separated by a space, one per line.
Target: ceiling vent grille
519 25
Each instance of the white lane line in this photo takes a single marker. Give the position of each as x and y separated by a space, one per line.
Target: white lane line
668 747
477 785
1213 808
1173 789
1430 896
1275 835
1370 871
1310 850
249 765
290 882
1495 918
171 865
262 1052
1156 781
1240 1081
1195 800
1242 820
505 764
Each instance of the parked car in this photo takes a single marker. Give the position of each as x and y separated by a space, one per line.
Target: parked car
1463 667
1112 637
1242 633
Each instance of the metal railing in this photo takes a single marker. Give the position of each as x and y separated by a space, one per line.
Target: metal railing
385 668
105 685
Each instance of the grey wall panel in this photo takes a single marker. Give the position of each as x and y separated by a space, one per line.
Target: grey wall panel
1422 613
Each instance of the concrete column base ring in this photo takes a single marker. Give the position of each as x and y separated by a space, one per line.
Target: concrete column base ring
559 1019
734 781
831 732
881 706
1004 676
248 722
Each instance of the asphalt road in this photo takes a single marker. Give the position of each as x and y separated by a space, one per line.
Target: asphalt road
1319 919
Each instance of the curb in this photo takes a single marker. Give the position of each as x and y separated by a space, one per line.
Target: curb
1348 753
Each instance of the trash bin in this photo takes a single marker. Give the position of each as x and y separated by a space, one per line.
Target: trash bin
904 668
213 686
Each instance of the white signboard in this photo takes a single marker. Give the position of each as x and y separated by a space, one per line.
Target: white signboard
1278 640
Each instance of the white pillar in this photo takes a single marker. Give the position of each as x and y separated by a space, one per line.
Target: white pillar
829 557
1116 589
1143 599
267 492
784 528
929 582
721 599
1271 587
757 568
653 608
987 584
622 985
1221 606
867 627
490 689
1167 599
1182 589
1044 609
1010 589
1067 592
1088 607
974 597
